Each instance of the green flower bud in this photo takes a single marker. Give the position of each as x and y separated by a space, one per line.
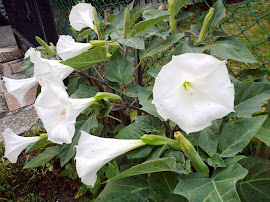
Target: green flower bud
109 96
127 24
206 24
47 48
191 153
171 8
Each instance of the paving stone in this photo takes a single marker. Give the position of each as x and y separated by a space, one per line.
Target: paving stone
3 105
7 72
15 67
19 121
9 54
12 102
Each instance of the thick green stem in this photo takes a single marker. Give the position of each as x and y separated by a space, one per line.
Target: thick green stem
206 24
191 153
47 48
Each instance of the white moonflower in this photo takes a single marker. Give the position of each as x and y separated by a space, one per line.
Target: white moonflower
192 90
94 152
67 47
29 52
81 16
15 144
44 70
58 112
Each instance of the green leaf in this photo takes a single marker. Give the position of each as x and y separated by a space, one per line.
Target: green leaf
141 152
256 185
180 4
153 166
112 170
158 45
131 131
230 48
119 69
145 99
216 161
162 185
221 187
208 138
82 190
154 72
29 71
39 144
219 14
43 158
236 135
136 42
153 13
74 84
157 152
144 25
136 12
84 91
249 97
86 59
150 124
263 133
128 189
133 91
67 151
182 15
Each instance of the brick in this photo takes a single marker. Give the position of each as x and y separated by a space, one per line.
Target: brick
15 67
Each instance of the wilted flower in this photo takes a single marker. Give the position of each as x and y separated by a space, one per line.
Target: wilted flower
44 70
81 16
67 47
15 144
94 152
192 90
58 112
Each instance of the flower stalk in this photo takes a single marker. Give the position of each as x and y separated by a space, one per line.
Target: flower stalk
206 24
191 153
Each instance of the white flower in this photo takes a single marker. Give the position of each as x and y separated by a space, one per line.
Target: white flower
192 90
14 144
29 52
81 16
94 152
67 47
44 70
58 112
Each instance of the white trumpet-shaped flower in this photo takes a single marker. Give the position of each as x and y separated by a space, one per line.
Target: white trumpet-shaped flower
94 152
67 47
44 70
29 52
58 112
192 90
15 144
81 16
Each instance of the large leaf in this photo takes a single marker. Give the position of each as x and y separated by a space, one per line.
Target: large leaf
84 91
144 25
256 185
153 166
88 58
141 152
219 14
153 13
136 12
150 124
263 133
136 42
208 138
39 144
221 187
128 189
131 131
158 45
161 187
249 97
236 135
180 4
74 84
43 158
67 151
230 48
119 69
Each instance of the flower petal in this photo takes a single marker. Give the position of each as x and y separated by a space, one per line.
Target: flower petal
19 87
29 52
81 16
15 144
67 47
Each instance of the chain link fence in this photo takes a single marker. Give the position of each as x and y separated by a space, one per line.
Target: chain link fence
248 20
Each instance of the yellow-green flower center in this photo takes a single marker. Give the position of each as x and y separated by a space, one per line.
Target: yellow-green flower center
187 86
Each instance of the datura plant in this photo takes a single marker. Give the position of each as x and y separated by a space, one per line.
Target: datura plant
188 130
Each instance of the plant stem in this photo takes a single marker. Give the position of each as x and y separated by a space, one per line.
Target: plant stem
130 107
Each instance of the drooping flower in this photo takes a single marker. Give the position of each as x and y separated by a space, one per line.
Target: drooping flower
15 144
192 90
81 16
94 152
67 47
58 112
44 70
